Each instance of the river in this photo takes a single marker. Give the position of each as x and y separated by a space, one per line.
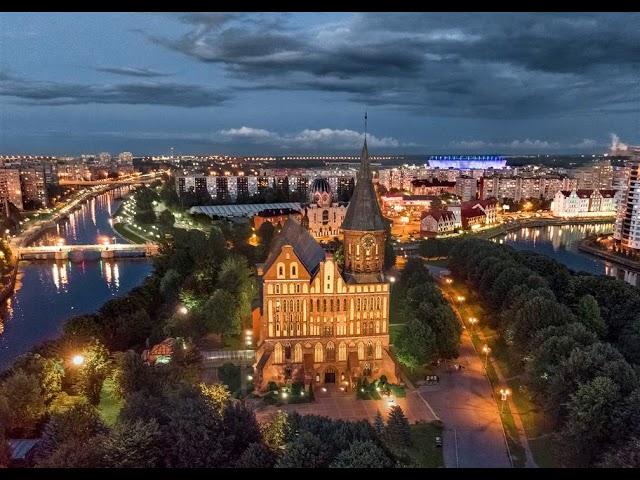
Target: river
560 243
47 292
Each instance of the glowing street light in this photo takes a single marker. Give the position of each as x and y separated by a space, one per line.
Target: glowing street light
486 350
182 310
77 360
460 298
392 279
473 321
504 395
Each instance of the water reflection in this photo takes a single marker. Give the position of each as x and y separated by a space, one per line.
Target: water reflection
560 243
47 293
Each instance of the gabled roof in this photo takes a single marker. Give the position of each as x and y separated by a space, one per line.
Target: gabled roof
304 245
608 193
364 212
473 208
439 215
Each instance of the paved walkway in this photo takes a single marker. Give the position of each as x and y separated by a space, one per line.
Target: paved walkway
473 435
344 405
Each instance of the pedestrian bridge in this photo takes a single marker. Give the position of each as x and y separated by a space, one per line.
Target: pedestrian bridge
78 252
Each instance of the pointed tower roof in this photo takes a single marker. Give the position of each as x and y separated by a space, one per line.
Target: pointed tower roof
363 213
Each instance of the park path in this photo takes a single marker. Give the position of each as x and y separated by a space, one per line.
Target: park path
449 293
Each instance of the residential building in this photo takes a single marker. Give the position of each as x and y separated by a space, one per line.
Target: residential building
477 213
466 188
585 203
438 222
627 227
432 187
10 189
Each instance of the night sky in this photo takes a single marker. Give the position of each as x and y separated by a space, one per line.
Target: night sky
300 83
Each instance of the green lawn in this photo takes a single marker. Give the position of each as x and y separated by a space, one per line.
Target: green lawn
110 405
423 452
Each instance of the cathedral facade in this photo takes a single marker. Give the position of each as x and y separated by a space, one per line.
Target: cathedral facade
321 323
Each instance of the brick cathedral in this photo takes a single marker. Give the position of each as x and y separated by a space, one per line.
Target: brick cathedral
319 323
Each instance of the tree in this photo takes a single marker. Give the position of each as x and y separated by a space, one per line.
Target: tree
133 445
415 344
588 425
5 450
94 371
235 276
217 395
25 400
362 455
166 219
589 314
170 285
77 424
256 455
398 430
221 313
48 371
278 431
627 456
305 451
74 453
378 423
265 233
240 429
130 373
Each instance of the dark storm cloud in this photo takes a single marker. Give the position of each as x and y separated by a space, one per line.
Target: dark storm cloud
484 65
38 93
132 72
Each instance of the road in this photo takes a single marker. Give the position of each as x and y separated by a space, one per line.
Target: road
473 435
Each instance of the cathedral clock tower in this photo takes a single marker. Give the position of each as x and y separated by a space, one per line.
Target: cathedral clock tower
364 228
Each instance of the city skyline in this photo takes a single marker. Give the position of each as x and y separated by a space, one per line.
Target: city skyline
283 84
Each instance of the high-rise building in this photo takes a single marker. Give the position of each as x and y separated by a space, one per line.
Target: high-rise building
466 187
320 324
10 190
627 227
34 187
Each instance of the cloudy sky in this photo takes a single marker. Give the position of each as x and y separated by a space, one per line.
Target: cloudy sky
300 83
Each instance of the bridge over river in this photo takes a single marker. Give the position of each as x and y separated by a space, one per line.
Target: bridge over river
77 252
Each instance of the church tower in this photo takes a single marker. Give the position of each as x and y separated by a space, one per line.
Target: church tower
364 228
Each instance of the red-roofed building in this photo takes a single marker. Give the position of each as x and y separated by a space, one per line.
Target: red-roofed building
275 216
478 212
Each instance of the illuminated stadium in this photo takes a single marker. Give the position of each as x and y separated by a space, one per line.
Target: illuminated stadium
467 161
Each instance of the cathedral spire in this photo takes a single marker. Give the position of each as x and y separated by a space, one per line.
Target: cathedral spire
364 155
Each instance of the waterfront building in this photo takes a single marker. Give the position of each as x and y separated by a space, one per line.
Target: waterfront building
323 216
585 203
437 222
521 187
478 213
321 323
627 226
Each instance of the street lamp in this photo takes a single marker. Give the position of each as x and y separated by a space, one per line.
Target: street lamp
473 321
504 395
460 298
77 360
486 350
182 310
392 279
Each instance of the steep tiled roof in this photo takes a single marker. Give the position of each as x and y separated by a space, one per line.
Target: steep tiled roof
363 213
304 245
608 193
439 215
472 208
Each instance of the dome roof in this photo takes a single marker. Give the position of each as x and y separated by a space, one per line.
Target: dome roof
320 185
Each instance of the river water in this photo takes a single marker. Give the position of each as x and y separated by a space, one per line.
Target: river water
560 243
49 292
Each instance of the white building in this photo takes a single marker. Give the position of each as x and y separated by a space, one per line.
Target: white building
438 222
627 228
323 217
584 203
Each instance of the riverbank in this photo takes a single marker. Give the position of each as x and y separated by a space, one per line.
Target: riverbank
505 228
584 246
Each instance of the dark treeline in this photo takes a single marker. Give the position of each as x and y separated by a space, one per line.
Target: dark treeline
432 330
574 337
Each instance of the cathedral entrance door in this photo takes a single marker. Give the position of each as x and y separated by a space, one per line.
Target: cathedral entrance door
330 375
